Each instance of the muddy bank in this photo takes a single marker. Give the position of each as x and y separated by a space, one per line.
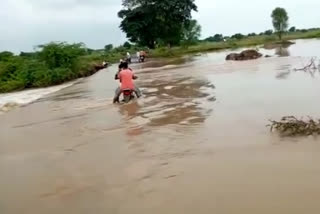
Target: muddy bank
244 55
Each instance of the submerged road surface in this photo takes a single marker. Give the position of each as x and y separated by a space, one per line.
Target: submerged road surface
197 142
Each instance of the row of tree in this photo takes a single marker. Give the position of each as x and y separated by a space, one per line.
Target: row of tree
221 37
169 22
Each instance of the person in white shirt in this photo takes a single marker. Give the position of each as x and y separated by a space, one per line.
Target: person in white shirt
128 57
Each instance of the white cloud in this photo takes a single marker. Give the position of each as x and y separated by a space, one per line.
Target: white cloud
245 16
26 23
67 4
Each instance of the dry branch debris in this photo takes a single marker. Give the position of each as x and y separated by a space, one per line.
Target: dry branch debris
291 126
311 67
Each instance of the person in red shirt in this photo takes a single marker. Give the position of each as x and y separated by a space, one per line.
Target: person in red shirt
126 77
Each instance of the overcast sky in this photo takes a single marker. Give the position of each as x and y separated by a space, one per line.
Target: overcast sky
26 23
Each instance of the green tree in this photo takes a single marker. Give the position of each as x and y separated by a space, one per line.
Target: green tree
226 38
268 32
218 38
215 38
108 47
29 55
5 55
252 34
61 54
127 45
149 21
303 30
192 32
280 21
237 36
292 29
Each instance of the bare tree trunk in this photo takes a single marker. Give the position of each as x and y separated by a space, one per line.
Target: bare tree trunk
280 35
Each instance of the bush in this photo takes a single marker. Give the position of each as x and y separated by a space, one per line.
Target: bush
237 36
215 38
127 45
61 54
303 30
162 52
60 75
29 71
11 85
270 38
9 68
252 34
55 63
42 78
9 78
292 29
108 48
29 55
268 32
5 55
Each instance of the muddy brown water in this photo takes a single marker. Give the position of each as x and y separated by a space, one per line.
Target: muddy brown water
195 143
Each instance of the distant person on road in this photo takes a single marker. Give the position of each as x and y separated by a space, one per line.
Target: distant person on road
105 64
128 57
142 55
122 64
126 77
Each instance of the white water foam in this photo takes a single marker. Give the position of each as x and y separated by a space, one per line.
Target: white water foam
12 100
165 67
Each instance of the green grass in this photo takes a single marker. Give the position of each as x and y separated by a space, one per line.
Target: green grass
300 35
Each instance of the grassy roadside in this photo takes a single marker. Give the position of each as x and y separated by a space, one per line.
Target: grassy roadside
52 64
230 44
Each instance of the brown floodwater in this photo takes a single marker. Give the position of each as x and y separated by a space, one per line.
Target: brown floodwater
197 141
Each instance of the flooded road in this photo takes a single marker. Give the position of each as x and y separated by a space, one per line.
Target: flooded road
197 141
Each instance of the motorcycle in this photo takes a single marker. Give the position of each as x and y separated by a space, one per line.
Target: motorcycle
128 95
128 60
105 65
142 58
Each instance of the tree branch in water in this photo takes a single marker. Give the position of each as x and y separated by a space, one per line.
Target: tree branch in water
311 67
291 126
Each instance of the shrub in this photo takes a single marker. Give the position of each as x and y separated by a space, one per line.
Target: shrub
292 29
237 36
5 55
61 54
11 85
268 32
215 38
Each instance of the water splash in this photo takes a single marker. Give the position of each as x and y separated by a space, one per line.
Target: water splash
9 101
